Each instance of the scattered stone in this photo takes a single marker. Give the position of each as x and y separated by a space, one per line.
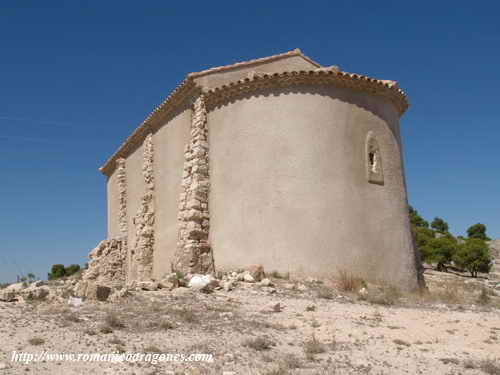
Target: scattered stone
257 272
363 292
74 301
17 287
266 282
302 287
181 291
248 278
228 285
97 292
35 293
204 283
148 285
312 280
8 295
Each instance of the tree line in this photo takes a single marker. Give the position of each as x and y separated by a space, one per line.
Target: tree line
441 248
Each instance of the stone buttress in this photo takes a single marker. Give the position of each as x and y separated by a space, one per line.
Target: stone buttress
194 253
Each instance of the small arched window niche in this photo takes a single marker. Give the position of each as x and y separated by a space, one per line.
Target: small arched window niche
373 160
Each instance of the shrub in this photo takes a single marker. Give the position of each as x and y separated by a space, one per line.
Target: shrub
484 297
439 225
478 231
312 347
72 269
440 251
57 271
36 341
349 282
112 320
416 220
258 343
474 256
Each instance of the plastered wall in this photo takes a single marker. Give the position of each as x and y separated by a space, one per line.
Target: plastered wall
289 187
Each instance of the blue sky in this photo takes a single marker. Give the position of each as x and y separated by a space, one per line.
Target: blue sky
78 76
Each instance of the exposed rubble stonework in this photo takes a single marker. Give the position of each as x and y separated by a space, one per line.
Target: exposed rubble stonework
194 254
145 218
107 265
495 254
122 193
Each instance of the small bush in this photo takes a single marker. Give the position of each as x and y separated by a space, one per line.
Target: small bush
117 341
258 343
188 315
349 283
490 366
166 325
35 341
311 308
484 297
325 293
113 321
105 329
385 295
401 342
152 349
474 256
291 362
90 332
277 275
312 347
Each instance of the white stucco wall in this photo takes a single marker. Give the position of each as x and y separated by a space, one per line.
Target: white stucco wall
289 188
135 190
170 141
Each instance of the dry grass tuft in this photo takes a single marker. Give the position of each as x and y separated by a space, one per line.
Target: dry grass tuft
347 282
258 343
113 320
386 295
489 366
312 347
401 342
325 292
275 274
152 349
35 341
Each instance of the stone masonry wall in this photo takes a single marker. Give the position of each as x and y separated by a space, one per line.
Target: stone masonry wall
107 265
194 254
145 217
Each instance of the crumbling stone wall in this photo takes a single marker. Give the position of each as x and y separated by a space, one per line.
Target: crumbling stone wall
122 194
194 254
145 217
107 265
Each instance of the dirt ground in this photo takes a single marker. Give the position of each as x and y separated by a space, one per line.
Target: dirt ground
292 327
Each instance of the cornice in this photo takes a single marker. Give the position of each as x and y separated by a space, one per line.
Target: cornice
219 95
322 76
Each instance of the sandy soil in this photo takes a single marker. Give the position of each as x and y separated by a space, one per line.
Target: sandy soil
310 332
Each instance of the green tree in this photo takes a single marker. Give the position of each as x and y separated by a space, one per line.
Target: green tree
31 277
440 251
72 269
439 225
416 220
478 231
474 256
57 272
